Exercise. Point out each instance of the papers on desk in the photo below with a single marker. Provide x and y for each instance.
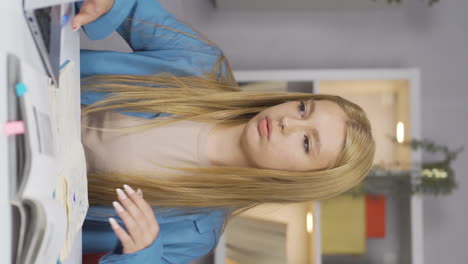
(46, 171)
(38, 221)
(72, 185)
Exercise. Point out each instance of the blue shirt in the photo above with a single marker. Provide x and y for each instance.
(155, 50)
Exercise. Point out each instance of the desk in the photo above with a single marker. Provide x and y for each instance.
(16, 39)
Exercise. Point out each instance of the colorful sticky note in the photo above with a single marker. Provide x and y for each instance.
(13, 128)
(20, 89)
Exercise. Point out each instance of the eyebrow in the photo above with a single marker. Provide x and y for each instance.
(314, 131)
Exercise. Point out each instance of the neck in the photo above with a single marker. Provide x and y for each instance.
(223, 147)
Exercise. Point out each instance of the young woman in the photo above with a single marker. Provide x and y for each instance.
(169, 120)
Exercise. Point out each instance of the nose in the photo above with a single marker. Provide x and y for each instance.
(290, 124)
(284, 122)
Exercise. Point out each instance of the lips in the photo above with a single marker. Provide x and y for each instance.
(270, 126)
(264, 127)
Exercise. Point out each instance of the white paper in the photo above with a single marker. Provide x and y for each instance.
(72, 184)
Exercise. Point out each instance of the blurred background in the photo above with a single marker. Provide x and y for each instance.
(353, 34)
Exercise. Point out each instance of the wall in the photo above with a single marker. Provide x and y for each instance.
(378, 99)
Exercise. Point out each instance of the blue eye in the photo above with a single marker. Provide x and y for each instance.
(302, 108)
(306, 144)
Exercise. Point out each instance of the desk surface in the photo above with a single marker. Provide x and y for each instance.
(17, 39)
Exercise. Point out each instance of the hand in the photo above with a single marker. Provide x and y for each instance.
(90, 11)
(139, 219)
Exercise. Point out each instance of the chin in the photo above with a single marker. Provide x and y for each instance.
(250, 142)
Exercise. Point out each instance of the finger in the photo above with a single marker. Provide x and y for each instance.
(124, 238)
(151, 226)
(88, 13)
(140, 193)
(130, 205)
(130, 222)
(143, 206)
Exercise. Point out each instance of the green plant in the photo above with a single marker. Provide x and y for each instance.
(430, 177)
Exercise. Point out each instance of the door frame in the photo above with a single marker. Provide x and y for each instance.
(315, 75)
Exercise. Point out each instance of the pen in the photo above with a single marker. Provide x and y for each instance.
(64, 20)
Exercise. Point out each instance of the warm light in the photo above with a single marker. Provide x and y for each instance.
(310, 222)
(400, 132)
(434, 173)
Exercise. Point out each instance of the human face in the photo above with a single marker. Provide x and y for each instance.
(300, 136)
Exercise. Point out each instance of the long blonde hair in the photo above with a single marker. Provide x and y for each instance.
(216, 98)
(225, 186)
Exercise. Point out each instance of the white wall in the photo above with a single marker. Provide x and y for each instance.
(433, 39)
